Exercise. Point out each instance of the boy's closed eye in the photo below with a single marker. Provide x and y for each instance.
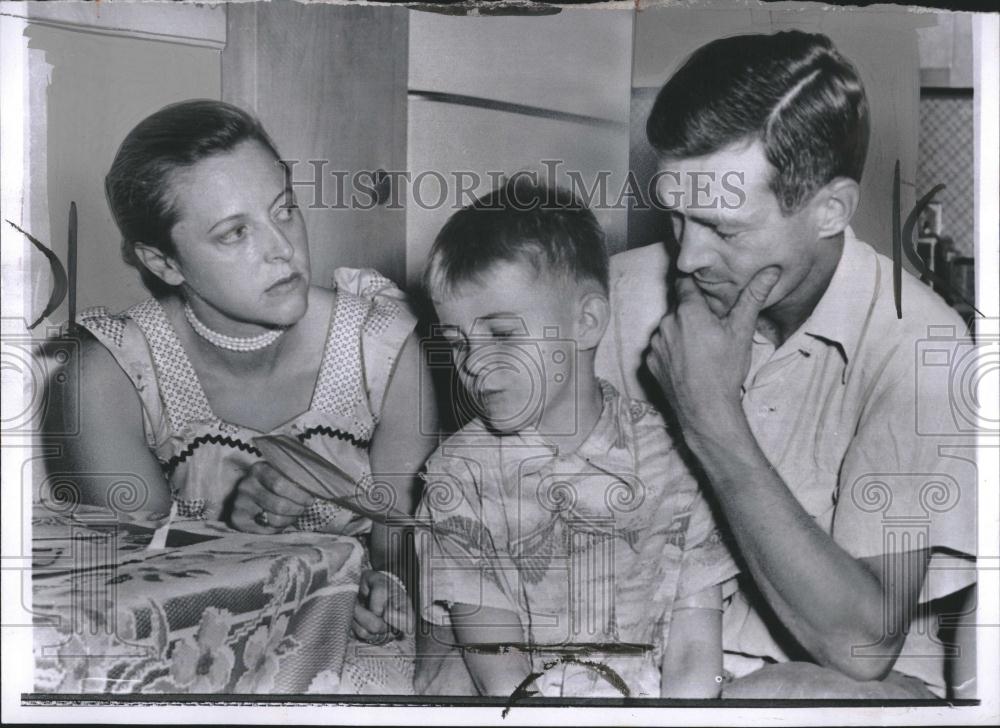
(500, 326)
(504, 333)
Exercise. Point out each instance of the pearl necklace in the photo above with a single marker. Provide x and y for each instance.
(230, 343)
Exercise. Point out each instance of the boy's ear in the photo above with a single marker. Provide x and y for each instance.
(593, 314)
(835, 206)
(159, 264)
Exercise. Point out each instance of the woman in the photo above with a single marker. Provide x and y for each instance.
(236, 343)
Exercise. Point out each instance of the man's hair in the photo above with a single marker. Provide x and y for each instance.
(175, 137)
(548, 228)
(792, 91)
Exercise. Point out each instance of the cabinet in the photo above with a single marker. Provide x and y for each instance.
(494, 96)
(329, 84)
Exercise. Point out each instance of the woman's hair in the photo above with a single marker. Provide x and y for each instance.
(792, 91)
(175, 137)
(546, 227)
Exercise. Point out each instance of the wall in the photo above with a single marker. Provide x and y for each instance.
(91, 77)
(366, 88)
(947, 122)
(329, 84)
(503, 94)
(945, 48)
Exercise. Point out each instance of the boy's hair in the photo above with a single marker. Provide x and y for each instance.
(176, 137)
(792, 91)
(548, 228)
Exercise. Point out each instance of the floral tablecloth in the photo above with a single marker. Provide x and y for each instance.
(214, 611)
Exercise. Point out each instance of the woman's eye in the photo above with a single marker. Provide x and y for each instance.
(236, 234)
(506, 334)
(285, 212)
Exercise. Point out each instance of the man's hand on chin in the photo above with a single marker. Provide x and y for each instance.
(701, 360)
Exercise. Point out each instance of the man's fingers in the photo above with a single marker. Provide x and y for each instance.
(759, 287)
(686, 291)
(752, 298)
(658, 353)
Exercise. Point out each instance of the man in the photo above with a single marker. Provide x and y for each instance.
(793, 383)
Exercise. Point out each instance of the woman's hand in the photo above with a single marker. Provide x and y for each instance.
(383, 610)
(266, 501)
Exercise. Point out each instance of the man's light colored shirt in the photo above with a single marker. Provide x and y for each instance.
(862, 414)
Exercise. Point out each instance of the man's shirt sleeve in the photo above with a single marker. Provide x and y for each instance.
(909, 478)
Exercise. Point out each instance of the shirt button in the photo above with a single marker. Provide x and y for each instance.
(763, 410)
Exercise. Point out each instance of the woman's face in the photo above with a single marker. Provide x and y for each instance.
(242, 250)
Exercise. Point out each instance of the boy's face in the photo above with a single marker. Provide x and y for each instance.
(512, 335)
(730, 226)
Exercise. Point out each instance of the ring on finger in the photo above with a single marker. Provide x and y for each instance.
(261, 518)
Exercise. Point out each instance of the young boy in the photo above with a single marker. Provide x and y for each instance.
(565, 539)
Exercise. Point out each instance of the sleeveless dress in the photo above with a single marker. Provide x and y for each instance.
(203, 457)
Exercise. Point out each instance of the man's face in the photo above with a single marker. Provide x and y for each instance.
(511, 335)
(730, 226)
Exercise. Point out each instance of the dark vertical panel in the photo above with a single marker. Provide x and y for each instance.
(647, 224)
(329, 84)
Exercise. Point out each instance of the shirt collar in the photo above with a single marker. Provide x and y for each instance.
(840, 315)
(608, 447)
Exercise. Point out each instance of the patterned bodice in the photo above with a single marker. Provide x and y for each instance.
(203, 456)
